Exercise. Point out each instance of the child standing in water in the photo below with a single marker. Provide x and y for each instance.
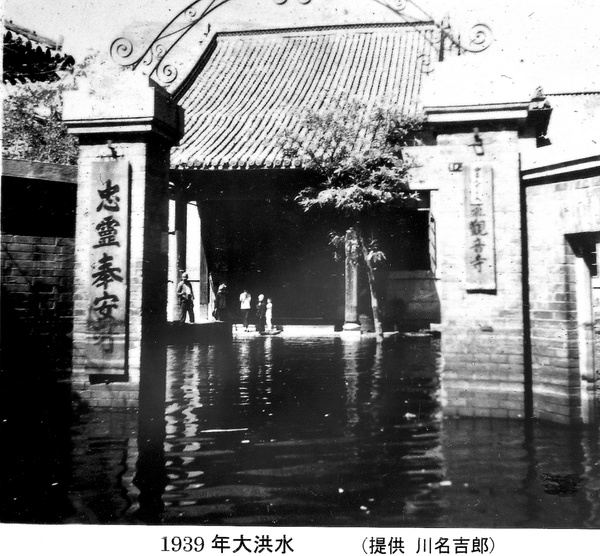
(269, 315)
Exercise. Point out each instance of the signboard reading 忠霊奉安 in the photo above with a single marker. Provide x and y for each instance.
(106, 347)
(480, 252)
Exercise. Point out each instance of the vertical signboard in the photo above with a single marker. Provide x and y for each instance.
(106, 350)
(481, 245)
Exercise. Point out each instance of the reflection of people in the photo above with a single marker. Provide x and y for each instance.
(261, 310)
(269, 315)
(245, 307)
(185, 295)
(221, 303)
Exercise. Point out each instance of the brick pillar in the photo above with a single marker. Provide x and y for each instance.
(126, 127)
(479, 218)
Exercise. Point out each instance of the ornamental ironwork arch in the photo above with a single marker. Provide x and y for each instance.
(151, 59)
(480, 34)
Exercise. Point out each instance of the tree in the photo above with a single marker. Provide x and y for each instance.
(32, 126)
(32, 123)
(357, 152)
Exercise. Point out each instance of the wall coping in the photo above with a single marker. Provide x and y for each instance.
(441, 116)
(556, 165)
(29, 169)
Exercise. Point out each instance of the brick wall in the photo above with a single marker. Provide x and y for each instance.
(554, 211)
(37, 299)
(482, 332)
(412, 300)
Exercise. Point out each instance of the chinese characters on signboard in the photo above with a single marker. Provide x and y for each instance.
(109, 242)
(481, 245)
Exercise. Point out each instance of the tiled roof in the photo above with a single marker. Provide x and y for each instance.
(251, 86)
(29, 57)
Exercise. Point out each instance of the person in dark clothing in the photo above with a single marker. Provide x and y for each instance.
(221, 303)
(261, 313)
(185, 294)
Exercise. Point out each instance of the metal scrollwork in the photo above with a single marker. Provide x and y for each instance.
(159, 51)
(148, 59)
(398, 5)
(191, 13)
(166, 73)
(426, 63)
(480, 37)
(152, 57)
(121, 51)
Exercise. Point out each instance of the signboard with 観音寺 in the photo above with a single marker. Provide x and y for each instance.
(480, 251)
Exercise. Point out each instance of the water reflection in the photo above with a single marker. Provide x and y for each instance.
(150, 477)
(318, 432)
(297, 432)
(499, 480)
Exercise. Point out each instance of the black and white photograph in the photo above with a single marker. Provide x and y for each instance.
(274, 267)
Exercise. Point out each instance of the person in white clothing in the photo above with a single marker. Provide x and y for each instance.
(245, 307)
(269, 315)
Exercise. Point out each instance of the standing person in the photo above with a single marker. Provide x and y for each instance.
(221, 303)
(185, 294)
(269, 314)
(245, 307)
(261, 310)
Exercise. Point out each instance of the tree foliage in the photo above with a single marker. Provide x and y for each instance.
(33, 127)
(32, 122)
(357, 151)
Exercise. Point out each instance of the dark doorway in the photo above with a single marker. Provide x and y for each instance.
(257, 237)
(272, 247)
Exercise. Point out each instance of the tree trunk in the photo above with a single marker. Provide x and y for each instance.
(377, 319)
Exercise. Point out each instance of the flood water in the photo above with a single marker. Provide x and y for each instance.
(307, 432)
